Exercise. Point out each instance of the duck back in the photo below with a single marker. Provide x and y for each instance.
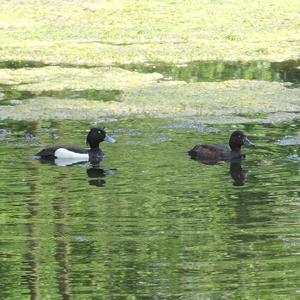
(210, 152)
(213, 153)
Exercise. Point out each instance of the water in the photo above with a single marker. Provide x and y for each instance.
(286, 71)
(149, 223)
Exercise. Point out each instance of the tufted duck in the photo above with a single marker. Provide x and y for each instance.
(211, 153)
(95, 154)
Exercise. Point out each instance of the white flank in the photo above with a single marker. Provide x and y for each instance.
(63, 162)
(64, 153)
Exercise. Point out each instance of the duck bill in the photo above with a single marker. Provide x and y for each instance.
(248, 143)
(109, 139)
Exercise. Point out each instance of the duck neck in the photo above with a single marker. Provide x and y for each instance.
(234, 147)
(94, 146)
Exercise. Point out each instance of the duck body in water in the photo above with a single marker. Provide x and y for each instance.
(65, 152)
(212, 153)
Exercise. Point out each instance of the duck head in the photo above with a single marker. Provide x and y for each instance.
(96, 136)
(239, 139)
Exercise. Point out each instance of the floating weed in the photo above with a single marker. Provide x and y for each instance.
(135, 31)
(212, 102)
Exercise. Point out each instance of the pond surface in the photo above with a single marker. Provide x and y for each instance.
(286, 71)
(149, 223)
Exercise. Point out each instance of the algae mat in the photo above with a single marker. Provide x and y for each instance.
(109, 32)
(97, 36)
(44, 94)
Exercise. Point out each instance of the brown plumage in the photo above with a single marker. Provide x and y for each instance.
(214, 153)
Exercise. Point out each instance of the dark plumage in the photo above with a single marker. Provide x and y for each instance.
(215, 153)
(94, 138)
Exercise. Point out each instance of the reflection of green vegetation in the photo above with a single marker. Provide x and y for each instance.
(109, 32)
(222, 70)
(162, 225)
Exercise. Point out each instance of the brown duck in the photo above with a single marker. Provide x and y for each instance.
(216, 153)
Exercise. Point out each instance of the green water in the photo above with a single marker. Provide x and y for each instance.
(149, 223)
(207, 71)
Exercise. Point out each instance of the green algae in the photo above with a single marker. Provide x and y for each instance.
(214, 102)
(109, 32)
(58, 78)
(60, 55)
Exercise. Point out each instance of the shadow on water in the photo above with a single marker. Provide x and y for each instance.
(286, 71)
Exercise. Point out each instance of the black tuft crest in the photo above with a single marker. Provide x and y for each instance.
(95, 136)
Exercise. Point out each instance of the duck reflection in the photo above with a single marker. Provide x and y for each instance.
(98, 174)
(238, 174)
(94, 172)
